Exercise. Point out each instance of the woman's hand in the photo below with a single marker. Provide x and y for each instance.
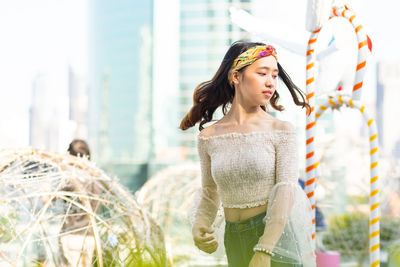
(260, 260)
(205, 243)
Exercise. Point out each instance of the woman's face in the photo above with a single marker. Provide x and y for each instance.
(257, 82)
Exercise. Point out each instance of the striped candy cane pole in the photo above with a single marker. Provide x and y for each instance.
(363, 45)
(374, 217)
(311, 160)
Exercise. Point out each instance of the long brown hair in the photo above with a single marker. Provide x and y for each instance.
(210, 95)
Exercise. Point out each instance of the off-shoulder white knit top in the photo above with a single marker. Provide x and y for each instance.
(239, 169)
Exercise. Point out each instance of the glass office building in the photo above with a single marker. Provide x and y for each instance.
(120, 116)
(206, 32)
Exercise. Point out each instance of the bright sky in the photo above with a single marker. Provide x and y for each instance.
(41, 36)
(45, 36)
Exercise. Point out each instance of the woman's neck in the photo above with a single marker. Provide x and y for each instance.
(240, 115)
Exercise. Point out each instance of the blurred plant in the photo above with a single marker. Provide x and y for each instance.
(394, 255)
(390, 231)
(358, 199)
(349, 235)
(7, 230)
(119, 250)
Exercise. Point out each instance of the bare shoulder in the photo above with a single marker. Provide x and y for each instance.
(208, 131)
(283, 125)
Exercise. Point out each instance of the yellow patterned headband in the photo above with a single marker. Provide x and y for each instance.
(249, 56)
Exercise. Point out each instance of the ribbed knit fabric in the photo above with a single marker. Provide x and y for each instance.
(239, 169)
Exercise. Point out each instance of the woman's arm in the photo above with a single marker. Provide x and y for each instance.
(282, 196)
(207, 207)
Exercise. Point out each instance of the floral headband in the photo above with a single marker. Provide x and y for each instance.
(249, 56)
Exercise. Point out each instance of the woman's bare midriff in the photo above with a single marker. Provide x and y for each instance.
(237, 215)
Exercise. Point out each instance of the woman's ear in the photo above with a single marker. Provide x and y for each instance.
(235, 77)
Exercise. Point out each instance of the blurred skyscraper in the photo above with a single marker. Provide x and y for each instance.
(38, 113)
(387, 97)
(190, 39)
(166, 136)
(48, 124)
(78, 104)
(206, 32)
(120, 115)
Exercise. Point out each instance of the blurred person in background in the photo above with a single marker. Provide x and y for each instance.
(249, 163)
(77, 241)
(79, 148)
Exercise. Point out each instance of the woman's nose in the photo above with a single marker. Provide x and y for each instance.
(269, 81)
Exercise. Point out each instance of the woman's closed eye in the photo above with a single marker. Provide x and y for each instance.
(263, 74)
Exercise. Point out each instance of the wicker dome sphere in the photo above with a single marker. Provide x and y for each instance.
(170, 197)
(62, 210)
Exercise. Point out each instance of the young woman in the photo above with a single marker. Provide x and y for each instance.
(249, 164)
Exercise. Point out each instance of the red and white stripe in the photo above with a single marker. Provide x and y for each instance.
(354, 102)
(363, 52)
(311, 159)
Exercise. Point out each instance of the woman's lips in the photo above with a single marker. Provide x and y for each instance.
(266, 93)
